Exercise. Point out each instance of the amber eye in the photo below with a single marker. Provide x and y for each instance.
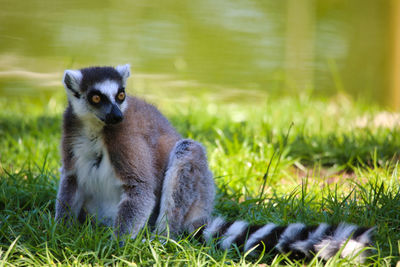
(121, 96)
(96, 99)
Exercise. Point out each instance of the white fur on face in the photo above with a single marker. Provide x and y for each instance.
(80, 107)
(108, 88)
(79, 104)
(125, 72)
(124, 105)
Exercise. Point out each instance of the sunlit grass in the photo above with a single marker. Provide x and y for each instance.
(325, 164)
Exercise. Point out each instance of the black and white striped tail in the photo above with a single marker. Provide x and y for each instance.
(300, 240)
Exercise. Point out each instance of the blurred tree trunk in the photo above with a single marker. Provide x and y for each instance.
(299, 55)
(395, 60)
(366, 68)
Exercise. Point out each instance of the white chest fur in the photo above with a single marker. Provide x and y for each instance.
(99, 190)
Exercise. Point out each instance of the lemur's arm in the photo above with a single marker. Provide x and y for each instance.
(132, 159)
(65, 196)
(67, 204)
(134, 209)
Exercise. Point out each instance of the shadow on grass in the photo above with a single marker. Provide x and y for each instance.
(20, 126)
(348, 150)
(357, 148)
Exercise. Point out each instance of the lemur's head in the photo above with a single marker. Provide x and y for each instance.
(98, 92)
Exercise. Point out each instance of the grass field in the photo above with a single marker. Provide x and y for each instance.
(283, 160)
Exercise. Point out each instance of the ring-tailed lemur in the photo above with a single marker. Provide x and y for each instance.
(124, 163)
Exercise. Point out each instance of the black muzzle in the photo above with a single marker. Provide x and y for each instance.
(114, 116)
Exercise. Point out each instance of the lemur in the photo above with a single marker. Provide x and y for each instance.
(124, 164)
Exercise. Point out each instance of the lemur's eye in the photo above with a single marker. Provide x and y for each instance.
(96, 99)
(121, 96)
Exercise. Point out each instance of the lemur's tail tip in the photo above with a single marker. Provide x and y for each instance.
(297, 239)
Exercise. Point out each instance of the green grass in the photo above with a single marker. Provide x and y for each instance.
(325, 165)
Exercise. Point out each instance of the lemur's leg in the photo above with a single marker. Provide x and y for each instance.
(188, 190)
(69, 201)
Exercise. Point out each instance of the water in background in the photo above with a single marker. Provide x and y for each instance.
(234, 50)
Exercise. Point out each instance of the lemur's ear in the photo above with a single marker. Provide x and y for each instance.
(71, 81)
(124, 71)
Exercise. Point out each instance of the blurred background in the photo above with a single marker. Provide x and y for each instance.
(241, 50)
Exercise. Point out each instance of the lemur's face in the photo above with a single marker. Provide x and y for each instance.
(98, 93)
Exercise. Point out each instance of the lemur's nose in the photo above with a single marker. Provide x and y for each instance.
(115, 115)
